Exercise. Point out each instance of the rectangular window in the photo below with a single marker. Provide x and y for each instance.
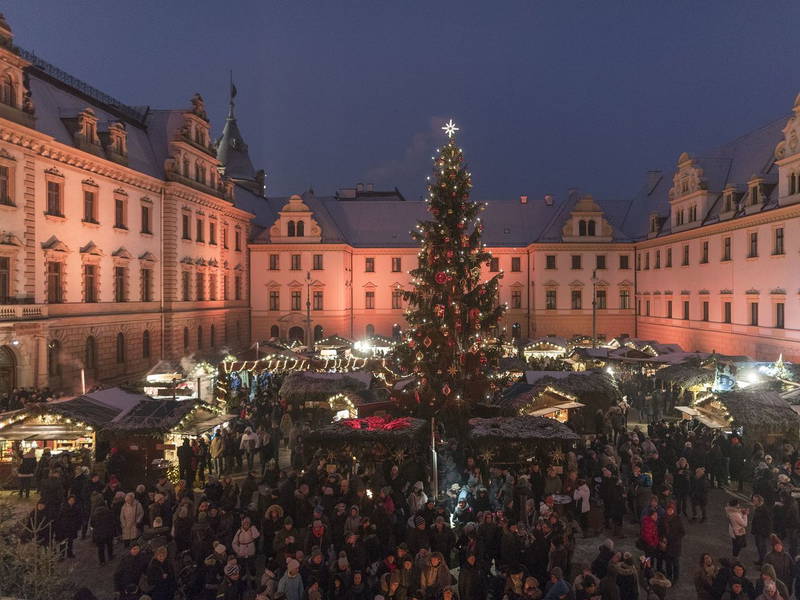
(317, 301)
(120, 280)
(624, 261)
(369, 299)
(295, 299)
(638, 261)
(5, 185)
(726, 248)
(576, 261)
(89, 207)
(647, 308)
(200, 286)
(225, 237)
(397, 299)
(55, 289)
(212, 233)
(120, 216)
(237, 240)
(778, 241)
(658, 259)
(704, 255)
(186, 286)
(550, 261)
(225, 289)
(647, 261)
(576, 299)
(212, 287)
(600, 298)
(515, 264)
(54, 199)
(754, 313)
(726, 312)
(685, 310)
(187, 227)
(624, 299)
(147, 222)
(600, 261)
(89, 283)
(147, 285)
(200, 231)
(550, 299)
(779, 315)
(317, 263)
(237, 287)
(753, 245)
(685, 261)
(516, 299)
(705, 310)
(669, 309)
(274, 262)
(5, 280)
(397, 264)
(369, 264)
(494, 265)
(295, 266)
(668, 261)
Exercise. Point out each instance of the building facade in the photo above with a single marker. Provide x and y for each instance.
(120, 243)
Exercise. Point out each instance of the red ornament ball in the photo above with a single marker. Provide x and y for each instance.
(441, 277)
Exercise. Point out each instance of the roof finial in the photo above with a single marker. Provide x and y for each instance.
(232, 95)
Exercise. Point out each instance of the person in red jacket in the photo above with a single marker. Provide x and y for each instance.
(648, 534)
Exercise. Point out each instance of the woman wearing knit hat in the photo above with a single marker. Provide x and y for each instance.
(291, 584)
(659, 584)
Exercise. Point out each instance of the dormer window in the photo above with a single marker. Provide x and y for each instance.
(118, 139)
(654, 224)
(685, 185)
(582, 227)
(301, 228)
(692, 214)
(755, 194)
(290, 231)
(729, 203)
(7, 91)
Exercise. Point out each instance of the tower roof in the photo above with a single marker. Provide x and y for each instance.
(232, 149)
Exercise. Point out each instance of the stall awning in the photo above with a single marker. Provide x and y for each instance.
(200, 426)
(551, 409)
(688, 410)
(44, 432)
(711, 423)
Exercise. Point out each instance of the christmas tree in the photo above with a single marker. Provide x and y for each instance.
(452, 313)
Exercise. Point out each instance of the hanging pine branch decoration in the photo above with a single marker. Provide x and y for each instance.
(452, 310)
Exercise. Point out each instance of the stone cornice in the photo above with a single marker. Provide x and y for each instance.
(48, 147)
(185, 193)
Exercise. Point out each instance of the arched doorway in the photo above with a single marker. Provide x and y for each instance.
(318, 331)
(296, 334)
(274, 332)
(8, 370)
(370, 330)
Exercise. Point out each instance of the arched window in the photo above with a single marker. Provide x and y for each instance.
(146, 344)
(301, 228)
(185, 338)
(90, 353)
(7, 91)
(274, 331)
(370, 330)
(318, 333)
(591, 228)
(296, 334)
(213, 336)
(54, 358)
(290, 229)
(199, 337)
(581, 227)
(120, 348)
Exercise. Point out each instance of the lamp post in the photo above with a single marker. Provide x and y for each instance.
(594, 308)
(309, 334)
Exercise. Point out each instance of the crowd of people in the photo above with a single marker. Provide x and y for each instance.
(312, 530)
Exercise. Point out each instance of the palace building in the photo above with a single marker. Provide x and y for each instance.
(128, 235)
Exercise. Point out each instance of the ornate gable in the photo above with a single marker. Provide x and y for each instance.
(688, 178)
(295, 223)
(587, 223)
(790, 144)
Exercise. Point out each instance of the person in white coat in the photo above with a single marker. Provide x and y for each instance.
(249, 445)
(244, 545)
(131, 517)
(582, 505)
(737, 525)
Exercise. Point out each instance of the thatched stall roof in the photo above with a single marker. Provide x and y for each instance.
(405, 432)
(686, 375)
(513, 364)
(522, 428)
(760, 410)
(591, 388)
(308, 387)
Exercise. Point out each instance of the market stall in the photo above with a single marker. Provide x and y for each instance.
(545, 347)
(690, 378)
(515, 440)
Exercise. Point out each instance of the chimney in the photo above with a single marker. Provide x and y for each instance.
(548, 200)
(370, 187)
(359, 187)
(523, 199)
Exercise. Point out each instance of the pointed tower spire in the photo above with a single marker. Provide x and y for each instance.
(231, 148)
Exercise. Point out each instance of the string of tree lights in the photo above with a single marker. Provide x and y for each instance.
(451, 311)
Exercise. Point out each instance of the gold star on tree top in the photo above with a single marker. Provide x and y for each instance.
(450, 128)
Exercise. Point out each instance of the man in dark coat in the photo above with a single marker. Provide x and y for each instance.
(698, 494)
(130, 569)
(471, 581)
(761, 526)
(103, 529)
(68, 524)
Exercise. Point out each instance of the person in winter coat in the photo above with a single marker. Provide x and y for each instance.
(781, 562)
(601, 561)
(435, 577)
(244, 545)
(761, 526)
(608, 588)
(442, 538)
(291, 584)
(130, 569)
(582, 505)
(249, 446)
(68, 524)
(471, 582)
(416, 499)
(649, 537)
(627, 577)
(557, 587)
(131, 517)
(25, 473)
(704, 578)
(161, 576)
(767, 576)
(698, 494)
(770, 592)
(736, 591)
(104, 528)
(216, 450)
(737, 525)
(672, 532)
